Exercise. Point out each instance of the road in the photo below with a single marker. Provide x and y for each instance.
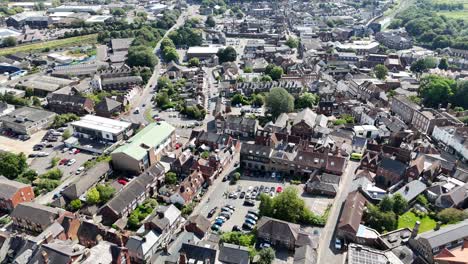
(326, 253)
(387, 18)
(146, 94)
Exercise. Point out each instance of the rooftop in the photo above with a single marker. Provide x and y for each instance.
(102, 124)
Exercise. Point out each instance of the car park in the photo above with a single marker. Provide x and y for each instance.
(225, 214)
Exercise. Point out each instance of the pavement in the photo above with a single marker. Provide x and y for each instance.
(326, 252)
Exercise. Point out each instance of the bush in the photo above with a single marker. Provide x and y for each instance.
(187, 209)
(170, 178)
(295, 182)
(75, 205)
(106, 192)
(235, 177)
(238, 238)
(451, 216)
(92, 197)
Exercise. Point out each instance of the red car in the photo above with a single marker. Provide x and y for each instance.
(122, 181)
(178, 145)
(63, 161)
(76, 151)
(279, 189)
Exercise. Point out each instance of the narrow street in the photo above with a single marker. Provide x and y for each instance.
(326, 252)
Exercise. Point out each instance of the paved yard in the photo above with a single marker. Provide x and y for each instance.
(17, 146)
(42, 164)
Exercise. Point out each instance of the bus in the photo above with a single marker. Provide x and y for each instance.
(356, 156)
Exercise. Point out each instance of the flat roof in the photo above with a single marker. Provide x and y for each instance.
(102, 124)
(5, 32)
(203, 50)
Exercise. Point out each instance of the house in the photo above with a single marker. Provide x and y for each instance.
(212, 140)
(370, 161)
(304, 123)
(389, 172)
(13, 193)
(366, 131)
(428, 244)
(426, 119)
(394, 39)
(351, 216)
(358, 145)
(404, 108)
(198, 224)
(108, 108)
(145, 148)
(183, 164)
(121, 83)
(101, 129)
(233, 254)
(282, 234)
(188, 189)
(191, 253)
(142, 248)
(133, 194)
(237, 126)
(324, 184)
(454, 256)
(34, 217)
(64, 103)
(453, 139)
(106, 253)
(305, 255)
(27, 120)
(411, 190)
(449, 194)
(90, 178)
(357, 253)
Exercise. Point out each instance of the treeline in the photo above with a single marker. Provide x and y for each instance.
(430, 29)
(447, 6)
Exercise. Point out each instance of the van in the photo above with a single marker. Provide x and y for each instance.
(356, 156)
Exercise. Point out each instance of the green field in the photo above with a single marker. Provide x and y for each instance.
(53, 44)
(408, 219)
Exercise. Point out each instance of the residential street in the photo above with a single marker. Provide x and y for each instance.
(326, 252)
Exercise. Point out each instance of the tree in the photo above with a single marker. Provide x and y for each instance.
(66, 134)
(451, 215)
(422, 200)
(279, 101)
(248, 69)
(266, 207)
(276, 73)
(75, 205)
(380, 71)
(437, 90)
(170, 178)
(141, 56)
(288, 205)
(118, 11)
(381, 221)
(210, 22)
(266, 78)
(235, 177)
(194, 62)
(106, 192)
(443, 64)
(63, 119)
(257, 100)
(170, 54)
(423, 64)
(54, 161)
(133, 221)
(12, 165)
(386, 204)
(399, 204)
(92, 197)
(9, 42)
(267, 255)
(167, 42)
(227, 54)
(306, 100)
(205, 154)
(239, 99)
(292, 42)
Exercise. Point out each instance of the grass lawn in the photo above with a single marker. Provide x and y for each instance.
(53, 44)
(408, 219)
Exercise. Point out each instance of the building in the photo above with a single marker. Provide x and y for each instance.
(34, 217)
(27, 120)
(90, 178)
(453, 139)
(92, 9)
(282, 234)
(101, 129)
(454, 256)
(236, 126)
(426, 119)
(132, 195)
(13, 193)
(389, 172)
(198, 224)
(350, 219)
(145, 148)
(324, 184)
(233, 254)
(358, 254)
(121, 83)
(202, 53)
(188, 189)
(108, 108)
(394, 40)
(64, 104)
(404, 108)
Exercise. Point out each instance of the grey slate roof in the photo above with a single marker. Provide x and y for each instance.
(90, 178)
(412, 189)
(8, 187)
(393, 166)
(305, 255)
(36, 213)
(446, 234)
(108, 104)
(233, 254)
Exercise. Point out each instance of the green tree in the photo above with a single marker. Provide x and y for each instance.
(268, 68)
(276, 73)
(239, 99)
(381, 71)
(443, 64)
(266, 78)
(288, 205)
(167, 42)
(106, 192)
(9, 42)
(266, 207)
(205, 154)
(170, 54)
(306, 100)
(258, 100)
(141, 56)
(279, 101)
(381, 221)
(210, 22)
(399, 204)
(292, 42)
(422, 200)
(451, 215)
(164, 83)
(12, 165)
(436, 90)
(133, 221)
(194, 62)
(75, 205)
(170, 178)
(235, 177)
(92, 196)
(386, 204)
(423, 64)
(248, 69)
(227, 54)
(54, 161)
(118, 11)
(266, 255)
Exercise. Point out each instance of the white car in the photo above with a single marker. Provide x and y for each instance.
(42, 154)
(79, 170)
(72, 151)
(71, 162)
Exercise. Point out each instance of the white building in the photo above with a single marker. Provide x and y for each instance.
(454, 139)
(366, 131)
(101, 129)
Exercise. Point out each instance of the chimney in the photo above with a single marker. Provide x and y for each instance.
(182, 258)
(415, 231)
(438, 224)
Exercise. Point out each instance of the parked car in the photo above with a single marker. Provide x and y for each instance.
(232, 207)
(338, 244)
(42, 154)
(227, 215)
(236, 229)
(226, 209)
(249, 202)
(215, 227)
(225, 178)
(272, 189)
(247, 226)
(38, 147)
(252, 216)
(63, 161)
(250, 221)
(72, 151)
(264, 245)
(71, 162)
(79, 170)
(279, 189)
(212, 212)
(222, 218)
(253, 211)
(76, 151)
(219, 222)
(122, 181)
(233, 195)
(242, 195)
